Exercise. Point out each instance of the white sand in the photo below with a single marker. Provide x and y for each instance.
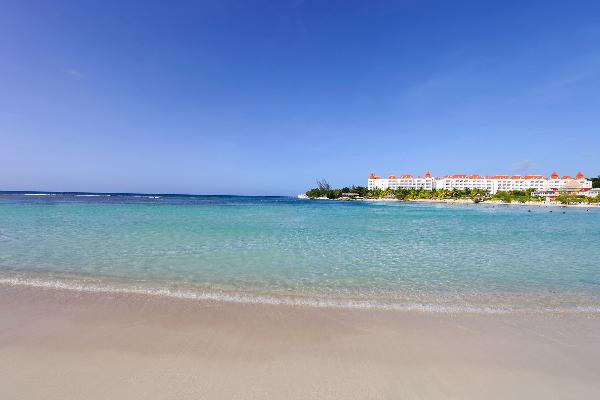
(67, 345)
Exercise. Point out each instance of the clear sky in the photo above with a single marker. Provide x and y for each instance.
(264, 97)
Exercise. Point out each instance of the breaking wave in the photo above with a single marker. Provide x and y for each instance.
(244, 298)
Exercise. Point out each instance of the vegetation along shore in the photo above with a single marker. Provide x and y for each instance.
(469, 196)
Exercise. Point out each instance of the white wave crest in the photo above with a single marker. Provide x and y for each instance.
(200, 295)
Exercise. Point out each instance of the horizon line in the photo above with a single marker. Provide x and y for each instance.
(134, 193)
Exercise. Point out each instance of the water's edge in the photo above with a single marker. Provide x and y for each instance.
(196, 294)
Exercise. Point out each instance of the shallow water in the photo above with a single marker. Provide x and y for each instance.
(284, 250)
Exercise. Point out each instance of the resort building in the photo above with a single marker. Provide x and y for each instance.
(572, 188)
(402, 182)
(492, 184)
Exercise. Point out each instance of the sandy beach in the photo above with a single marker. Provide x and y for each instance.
(553, 204)
(59, 344)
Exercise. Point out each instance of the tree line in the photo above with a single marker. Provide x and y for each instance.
(323, 189)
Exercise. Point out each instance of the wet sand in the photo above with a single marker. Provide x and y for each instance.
(59, 344)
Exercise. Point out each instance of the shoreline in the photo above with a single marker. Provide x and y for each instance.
(515, 203)
(465, 202)
(98, 345)
(518, 305)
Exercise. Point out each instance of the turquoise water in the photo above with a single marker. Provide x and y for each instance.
(284, 250)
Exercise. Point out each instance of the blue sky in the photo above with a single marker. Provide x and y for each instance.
(264, 97)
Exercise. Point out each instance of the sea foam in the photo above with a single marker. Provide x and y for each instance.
(202, 295)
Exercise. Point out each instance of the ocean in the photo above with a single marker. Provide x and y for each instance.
(410, 256)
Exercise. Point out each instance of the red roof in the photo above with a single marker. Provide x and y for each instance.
(464, 176)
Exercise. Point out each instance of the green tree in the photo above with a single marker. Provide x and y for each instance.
(315, 192)
(334, 193)
(360, 190)
(564, 199)
(503, 196)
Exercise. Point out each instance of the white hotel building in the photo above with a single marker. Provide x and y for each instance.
(492, 184)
